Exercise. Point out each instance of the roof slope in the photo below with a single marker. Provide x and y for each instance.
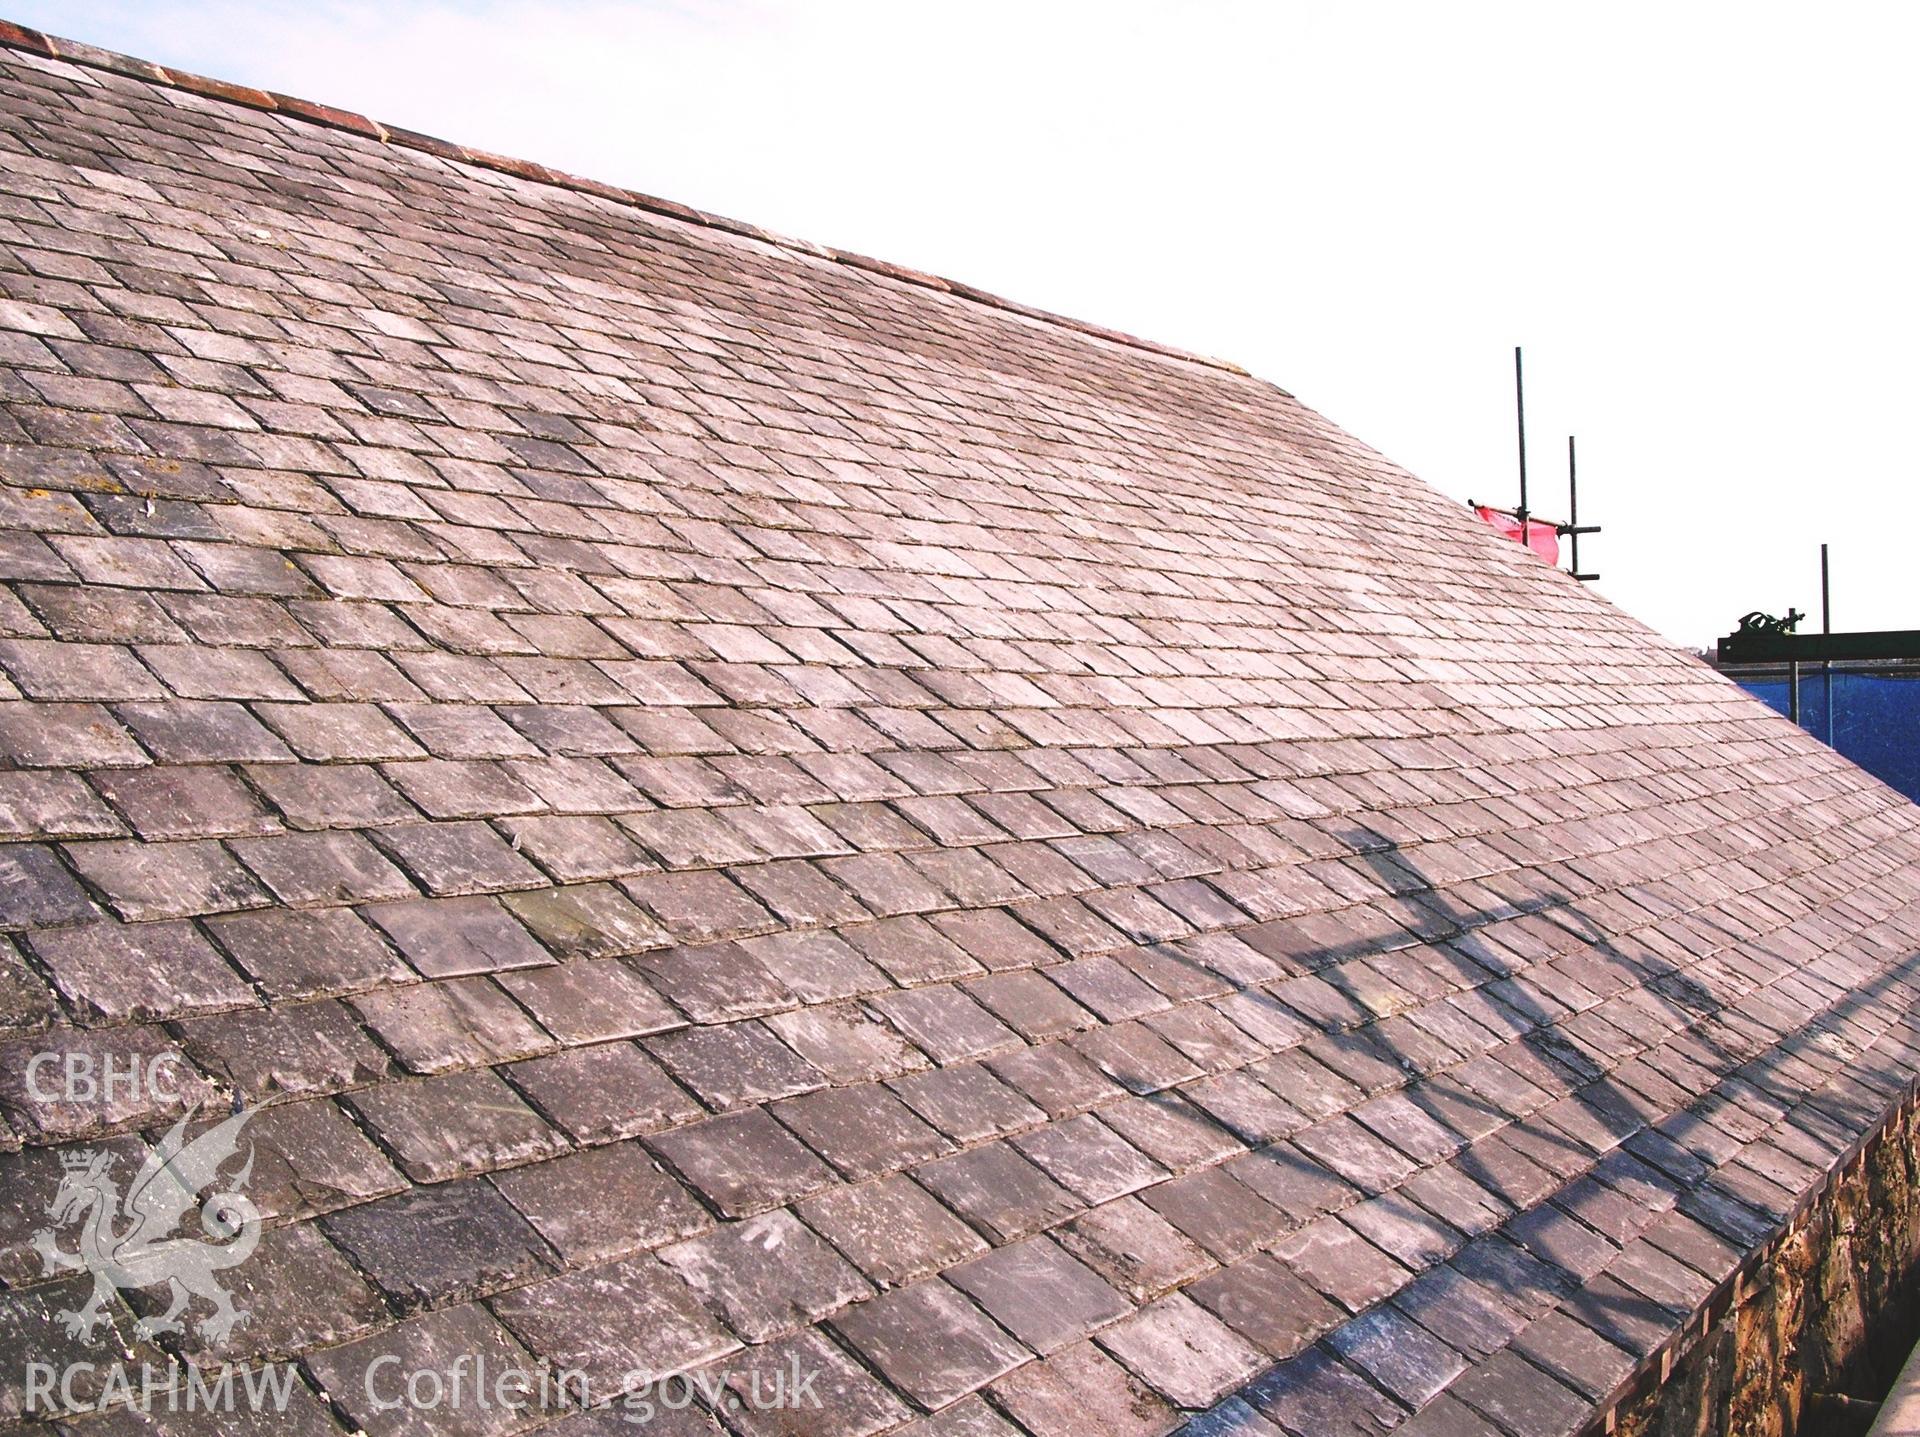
(739, 809)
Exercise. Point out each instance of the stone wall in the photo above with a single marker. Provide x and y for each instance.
(1827, 1311)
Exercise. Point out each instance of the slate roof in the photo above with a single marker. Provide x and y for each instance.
(728, 804)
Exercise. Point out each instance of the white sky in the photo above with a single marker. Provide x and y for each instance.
(1699, 219)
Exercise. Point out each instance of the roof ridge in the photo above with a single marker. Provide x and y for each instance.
(20, 37)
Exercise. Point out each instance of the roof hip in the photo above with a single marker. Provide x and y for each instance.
(76, 52)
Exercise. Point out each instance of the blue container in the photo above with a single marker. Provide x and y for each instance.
(1876, 720)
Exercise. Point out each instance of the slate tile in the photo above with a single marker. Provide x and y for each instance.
(1622, 1315)
(352, 1374)
(1342, 1264)
(892, 1230)
(851, 1403)
(1259, 1298)
(690, 837)
(30, 1331)
(1320, 1394)
(1526, 1283)
(576, 786)
(1171, 1131)
(457, 858)
(130, 973)
(317, 796)
(359, 626)
(569, 729)
(1398, 1354)
(337, 732)
(444, 1127)
(604, 1092)
(1135, 1249)
(297, 1291)
(1226, 1218)
(1445, 1417)
(590, 1001)
(1181, 1351)
(38, 1106)
(629, 1322)
(190, 801)
(1248, 1109)
(1081, 1389)
(1040, 1294)
(1106, 988)
(885, 884)
(699, 907)
(309, 1158)
(44, 735)
(306, 869)
(1685, 1239)
(53, 805)
(83, 614)
(864, 1130)
(1562, 1240)
(1520, 1397)
(1292, 1182)
(1576, 1355)
(930, 1342)
(966, 1103)
(743, 1163)
(589, 920)
(1354, 1154)
(1055, 1077)
(1135, 1057)
(766, 1276)
(32, 1176)
(734, 1064)
(994, 939)
(969, 1417)
(716, 982)
(1030, 1004)
(268, 1054)
(452, 937)
(145, 881)
(1089, 1159)
(462, 732)
(998, 1191)
(27, 1004)
(845, 1044)
(603, 1203)
(1449, 1194)
(455, 1023)
(1404, 1231)
(192, 731)
(946, 1024)
(969, 875)
(1647, 1270)
(439, 1245)
(241, 569)
(308, 955)
(36, 890)
(199, 671)
(61, 672)
(1231, 1418)
(799, 893)
(1468, 1316)
(449, 789)
(577, 848)
(346, 577)
(639, 1408)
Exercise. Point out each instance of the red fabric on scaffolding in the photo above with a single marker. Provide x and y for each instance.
(1543, 539)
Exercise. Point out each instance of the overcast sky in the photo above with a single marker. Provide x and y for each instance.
(1699, 219)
